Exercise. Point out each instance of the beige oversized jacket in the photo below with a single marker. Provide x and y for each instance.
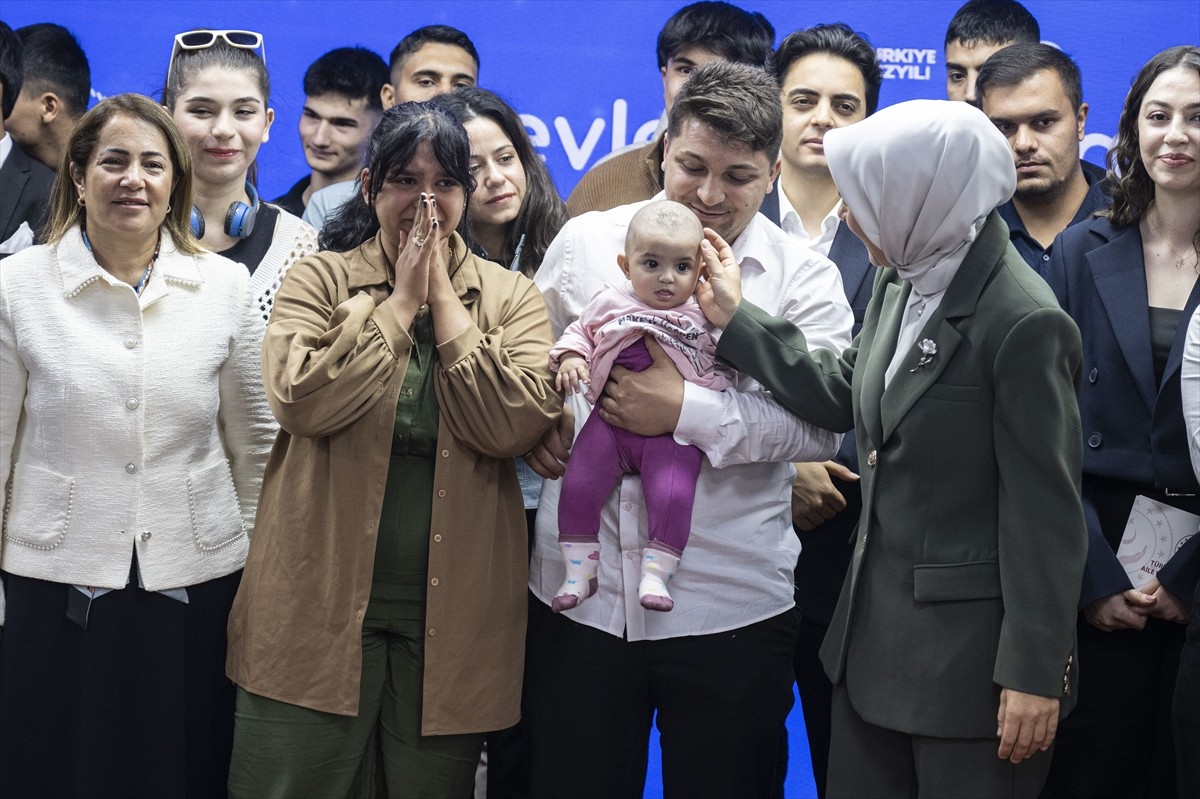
(333, 363)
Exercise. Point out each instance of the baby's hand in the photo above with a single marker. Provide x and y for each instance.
(572, 374)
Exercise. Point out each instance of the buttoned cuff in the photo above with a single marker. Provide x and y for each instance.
(700, 407)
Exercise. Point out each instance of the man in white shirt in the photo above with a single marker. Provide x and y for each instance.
(717, 669)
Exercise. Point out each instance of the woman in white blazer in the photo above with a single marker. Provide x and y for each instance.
(133, 436)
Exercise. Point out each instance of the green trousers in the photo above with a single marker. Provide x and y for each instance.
(282, 750)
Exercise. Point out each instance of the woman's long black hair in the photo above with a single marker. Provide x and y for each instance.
(401, 130)
(542, 212)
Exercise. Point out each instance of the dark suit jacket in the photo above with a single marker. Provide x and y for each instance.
(971, 545)
(24, 193)
(825, 550)
(1133, 425)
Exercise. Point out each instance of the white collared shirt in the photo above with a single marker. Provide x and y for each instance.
(789, 220)
(1190, 380)
(23, 236)
(738, 565)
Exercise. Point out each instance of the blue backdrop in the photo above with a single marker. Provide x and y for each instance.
(584, 74)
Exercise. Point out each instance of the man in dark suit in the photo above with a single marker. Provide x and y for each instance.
(24, 183)
(955, 625)
(828, 78)
(54, 94)
(1034, 94)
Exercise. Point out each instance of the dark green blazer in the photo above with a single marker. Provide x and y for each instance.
(971, 544)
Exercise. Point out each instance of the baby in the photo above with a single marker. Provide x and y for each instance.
(662, 262)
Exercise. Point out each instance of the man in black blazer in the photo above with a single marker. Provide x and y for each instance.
(24, 183)
(828, 77)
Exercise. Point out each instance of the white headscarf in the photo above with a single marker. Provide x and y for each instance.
(920, 178)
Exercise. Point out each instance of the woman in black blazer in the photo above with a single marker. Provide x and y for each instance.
(1129, 279)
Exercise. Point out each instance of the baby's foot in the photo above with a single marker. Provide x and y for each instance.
(581, 560)
(657, 568)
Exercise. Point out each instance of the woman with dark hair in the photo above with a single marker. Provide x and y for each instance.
(134, 430)
(1129, 279)
(218, 92)
(515, 211)
(382, 616)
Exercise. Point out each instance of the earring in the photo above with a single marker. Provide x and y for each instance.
(168, 208)
(82, 204)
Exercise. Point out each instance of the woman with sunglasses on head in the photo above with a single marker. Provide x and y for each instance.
(218, 93)
(133, 436)
(1130, 278)
(382, 616)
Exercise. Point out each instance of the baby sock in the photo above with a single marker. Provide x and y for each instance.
(582, 558)
(657, 568)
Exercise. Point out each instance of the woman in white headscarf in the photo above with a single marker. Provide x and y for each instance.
(951, 650)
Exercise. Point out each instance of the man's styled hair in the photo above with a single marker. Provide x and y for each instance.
(1010, 66)
(54, 62)
(837, 40)
(734, 34)
(993, 22)
(437, 34)
(355, 73)
(12, 67)
(739, 102)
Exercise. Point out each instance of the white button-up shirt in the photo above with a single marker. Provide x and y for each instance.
(1190, 380)
(789, 220)
(737, 568)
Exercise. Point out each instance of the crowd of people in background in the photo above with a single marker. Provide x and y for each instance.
(288, 508)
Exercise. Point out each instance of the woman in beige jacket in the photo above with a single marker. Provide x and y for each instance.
(382, 612)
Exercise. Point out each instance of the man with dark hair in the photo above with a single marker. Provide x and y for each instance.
(341, 108)
(695, 35)
(58, 84)
(978, 29)
(829, 78)
(718, 668)
(24, 183)
(1034, 95)
(428, 62)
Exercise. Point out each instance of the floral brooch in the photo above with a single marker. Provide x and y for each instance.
(928, 351)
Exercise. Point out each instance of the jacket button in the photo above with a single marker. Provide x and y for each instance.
(872, 458)
(445, 453)
(146, 536)
(130, 343)
(1094, 440)
(432, 632)
(441, 492)
(434, 582)
(131, 404)
(1092, 375)
(130, 468)
(437, 538)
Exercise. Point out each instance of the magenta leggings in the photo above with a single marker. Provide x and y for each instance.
(602, 454)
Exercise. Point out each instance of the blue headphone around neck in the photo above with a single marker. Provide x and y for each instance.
(239, 219)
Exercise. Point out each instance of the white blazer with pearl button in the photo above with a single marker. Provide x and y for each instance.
(128, 422)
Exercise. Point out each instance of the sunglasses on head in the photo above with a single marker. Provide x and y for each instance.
(203, 39)
(200, 39)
